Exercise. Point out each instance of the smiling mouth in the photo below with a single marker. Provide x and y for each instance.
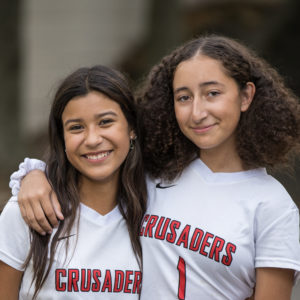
(97, 156)
(203, 129)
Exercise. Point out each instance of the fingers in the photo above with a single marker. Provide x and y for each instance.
(24, 215)
(33, 219)
(33, 212)
(56, 206)
(39, 213)
(38, 203)
(47, 215)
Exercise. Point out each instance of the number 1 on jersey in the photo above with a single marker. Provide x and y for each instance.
(182, 278)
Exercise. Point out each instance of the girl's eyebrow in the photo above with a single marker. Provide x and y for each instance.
(206, 83)
(184, 88)
(97, 116)
(203, 84)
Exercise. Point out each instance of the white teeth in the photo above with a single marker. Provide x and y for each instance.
(98, 156)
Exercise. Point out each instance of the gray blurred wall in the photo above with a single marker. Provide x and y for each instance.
(60, 36)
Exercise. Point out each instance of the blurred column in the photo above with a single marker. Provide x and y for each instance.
(9, 84)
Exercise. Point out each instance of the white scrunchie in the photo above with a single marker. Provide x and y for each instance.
(25, 167)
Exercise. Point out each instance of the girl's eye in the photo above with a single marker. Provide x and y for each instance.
(183, 98)
(213, 93)
(106, 122)
(75, 127)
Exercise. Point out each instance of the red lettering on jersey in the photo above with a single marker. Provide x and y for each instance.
(196, 239)
(184, 236)
(119, 281)
(73, 278)
(205, 243)
(227, 260)
(128, 281)
(137, 282)
(216, 248)
(85, 280)
(149, 227)
(181, 267)
(107, 282)
(60, 286)
(96, 285)
(145, 219)
(171, 237)
(158, 235)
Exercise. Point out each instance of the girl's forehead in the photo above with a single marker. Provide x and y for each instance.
(199, 68)
(92, 104)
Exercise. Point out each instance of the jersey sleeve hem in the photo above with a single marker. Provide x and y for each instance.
(11, 261)
(281, 264)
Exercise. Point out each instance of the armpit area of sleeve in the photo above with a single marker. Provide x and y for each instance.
(266, 262)
(11, 261)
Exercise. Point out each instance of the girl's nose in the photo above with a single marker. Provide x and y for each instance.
(199, 110)
(93, 137)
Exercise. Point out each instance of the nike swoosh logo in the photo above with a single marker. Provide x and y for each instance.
(158, 186)
(65, 237)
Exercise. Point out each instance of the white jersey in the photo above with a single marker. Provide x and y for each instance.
(204, 234)
(101, 266)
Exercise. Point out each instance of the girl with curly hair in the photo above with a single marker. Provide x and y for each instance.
(213, 116)
(95, 168)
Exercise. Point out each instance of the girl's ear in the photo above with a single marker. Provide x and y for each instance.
(132, 135)
(247, 95)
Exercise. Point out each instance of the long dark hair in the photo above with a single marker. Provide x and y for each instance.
(64, 177)
(266, 133)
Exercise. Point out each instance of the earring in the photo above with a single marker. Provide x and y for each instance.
(131, 141)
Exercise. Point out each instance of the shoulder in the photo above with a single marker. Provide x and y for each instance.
(11, 218)
(11, 210)
(271, 193)
(276, 228)
(276, 213)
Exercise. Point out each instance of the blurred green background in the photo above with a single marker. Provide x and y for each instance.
(42, 41)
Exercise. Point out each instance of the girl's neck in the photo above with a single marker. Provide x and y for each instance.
(100, 196)
(222, 161)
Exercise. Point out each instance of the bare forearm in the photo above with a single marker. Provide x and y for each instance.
(10, 281)
(273, 284)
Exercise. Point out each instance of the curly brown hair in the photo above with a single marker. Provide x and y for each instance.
(267, 131)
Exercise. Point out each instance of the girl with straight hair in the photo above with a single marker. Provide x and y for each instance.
(95, 168)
